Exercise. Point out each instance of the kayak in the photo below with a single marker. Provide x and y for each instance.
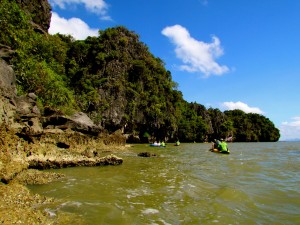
(155, 145)
(215, 150)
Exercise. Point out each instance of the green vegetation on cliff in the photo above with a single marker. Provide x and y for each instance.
(117, 82)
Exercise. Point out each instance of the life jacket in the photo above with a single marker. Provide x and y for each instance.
(223, 147)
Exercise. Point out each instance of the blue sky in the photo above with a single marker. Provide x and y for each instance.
(237, 54)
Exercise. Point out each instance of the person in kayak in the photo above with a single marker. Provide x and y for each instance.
(219, 146)
(215, 144)
(222, 147)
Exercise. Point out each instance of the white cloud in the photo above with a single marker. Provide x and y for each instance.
(74, 26)
(290, 130)
(197, 56)
(241, 106)
(98, 7)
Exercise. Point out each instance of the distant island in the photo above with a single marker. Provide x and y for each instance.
(292, 139)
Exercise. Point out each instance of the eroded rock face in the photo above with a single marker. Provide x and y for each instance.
(7, 79)
(78, 122)
(17, 111)
(7, 93)
(23, 114)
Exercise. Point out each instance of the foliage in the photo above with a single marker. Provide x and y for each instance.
(252, 127)
(117, 81)
(38, 60)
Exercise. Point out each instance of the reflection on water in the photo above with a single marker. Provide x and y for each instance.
(258, 183)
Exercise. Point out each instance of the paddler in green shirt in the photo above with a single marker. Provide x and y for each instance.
(223, 146)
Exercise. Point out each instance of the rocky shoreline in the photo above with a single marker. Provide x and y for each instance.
(31, 141)
(21, 164)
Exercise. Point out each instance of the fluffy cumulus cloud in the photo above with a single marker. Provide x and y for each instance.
(74, 27)
(241, 106)
(290, 130)
(197, 56)
(95, 6)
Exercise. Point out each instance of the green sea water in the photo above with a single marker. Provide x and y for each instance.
(258, 183)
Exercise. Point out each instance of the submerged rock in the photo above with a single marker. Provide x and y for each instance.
(146, 154)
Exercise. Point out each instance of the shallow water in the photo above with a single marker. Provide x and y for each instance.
(258, 183)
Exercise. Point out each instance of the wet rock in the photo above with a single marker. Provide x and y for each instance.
(10, 169)
(43, 162)
(146, 154)
(17, 206)
(109, 160)
(32, 176)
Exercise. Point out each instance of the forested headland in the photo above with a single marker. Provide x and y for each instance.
(115, 80)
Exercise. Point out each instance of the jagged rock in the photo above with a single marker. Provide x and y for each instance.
(18, 111)
(36, 110)
(82, 118)
(78, 122)
(7, 80)
(32, 96)
(24, 106)
(109, 160)
(28, 116)
(7, 93)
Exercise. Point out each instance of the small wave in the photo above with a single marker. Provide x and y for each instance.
(191, 185)
(164, 222)
(150, 211)
(171, 187)
(50, 212)
(136, 203)
(78, 204)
